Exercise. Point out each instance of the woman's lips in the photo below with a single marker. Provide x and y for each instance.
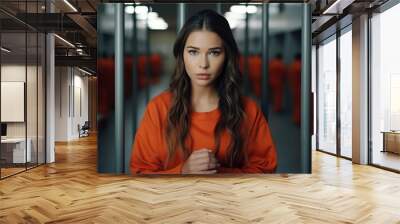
(203, 76)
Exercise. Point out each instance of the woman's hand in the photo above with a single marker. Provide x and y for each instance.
(201, 161)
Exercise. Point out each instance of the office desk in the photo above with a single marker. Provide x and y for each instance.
(15, 148)
(391, 141)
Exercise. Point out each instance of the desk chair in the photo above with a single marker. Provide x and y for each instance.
(84, 130)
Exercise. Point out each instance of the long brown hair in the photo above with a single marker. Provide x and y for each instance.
(227, 85)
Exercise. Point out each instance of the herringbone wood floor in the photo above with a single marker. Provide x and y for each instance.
(71, 191)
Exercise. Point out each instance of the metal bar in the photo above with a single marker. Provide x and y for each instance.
(386, 6)
(37, 90)
(219, 8)
(265, 61)
(134, 103)
(246, 54)
(316, 95)
(181, 16)
(0, 93)
(385, 168)
(10, 175)
(333, 154)
(119, 87)
(18, 20)
(73, 91)
(91, 5)
(369, 100)
(305, 89)
(26, 88)
(338, 99)
(45, 89)
(147, 61)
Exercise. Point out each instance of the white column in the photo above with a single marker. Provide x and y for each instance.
(50, 94)
(62, 103)
(360, 90)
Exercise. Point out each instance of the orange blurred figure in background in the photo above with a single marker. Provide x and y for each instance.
(254, 72)
(295, 87)
(277, 81)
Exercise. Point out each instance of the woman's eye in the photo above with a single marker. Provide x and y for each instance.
(215, 53)
(192, 52)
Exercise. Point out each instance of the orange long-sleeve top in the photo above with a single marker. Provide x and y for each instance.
(149, 151)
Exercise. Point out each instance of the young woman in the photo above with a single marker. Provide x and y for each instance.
(202, 124)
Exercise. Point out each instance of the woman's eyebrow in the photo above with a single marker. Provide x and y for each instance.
(216, 48)
(213, 48)
(193, 47)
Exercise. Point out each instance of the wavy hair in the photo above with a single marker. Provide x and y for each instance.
(227, 85)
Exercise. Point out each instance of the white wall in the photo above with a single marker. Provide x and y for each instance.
(80, 83)
(13, 101)
(71, 93)
(61, 103)
(16, 73)
(13, 72)
(33, 127)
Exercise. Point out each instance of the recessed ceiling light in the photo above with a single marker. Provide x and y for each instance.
(70, 5)
(84, 71)
(65, 41)
(5, 50)
(130, 9)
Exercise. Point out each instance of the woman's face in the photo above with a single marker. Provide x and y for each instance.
(204, 57)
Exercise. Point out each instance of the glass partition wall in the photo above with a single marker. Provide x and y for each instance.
(327, 96)
(334, 94)
(334, 136)
(22, 91)
(385, 90)
(345, 92)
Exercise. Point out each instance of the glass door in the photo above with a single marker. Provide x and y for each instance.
(346, 93)
(326, 96)
(385, 89)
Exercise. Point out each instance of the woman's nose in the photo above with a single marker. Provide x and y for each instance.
(204, 62)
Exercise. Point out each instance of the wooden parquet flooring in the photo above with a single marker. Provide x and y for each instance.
(71, 191)
(10, 171)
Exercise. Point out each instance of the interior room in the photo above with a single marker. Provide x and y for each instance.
(79, 79)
